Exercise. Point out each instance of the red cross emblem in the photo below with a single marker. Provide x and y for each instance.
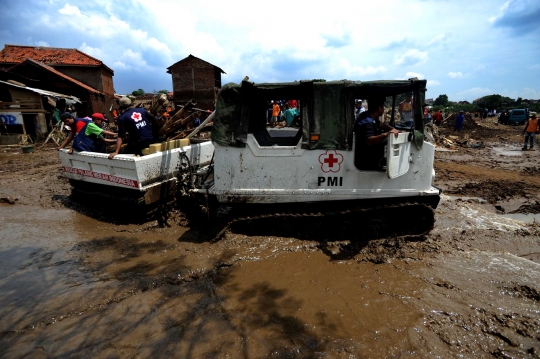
(331, 161)
(136, 116)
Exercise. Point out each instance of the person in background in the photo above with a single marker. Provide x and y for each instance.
(289, 115)
(459, 121)
(269, 111)
(530, 130)
(137, 122)
(74, 125)
(359, 107)
(427, 113)
(437, 117)
(275, 113)
(406, 112)
(90, 137)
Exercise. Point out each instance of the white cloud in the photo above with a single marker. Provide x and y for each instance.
(241, 42)
(455, 75)
(43, 43)
(411, 57)
(526, 93)
(437, 40)
(70, 10)
(410, 75)
(92, 51)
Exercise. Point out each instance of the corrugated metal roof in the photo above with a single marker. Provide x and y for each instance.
(44, 92)
(14, 54)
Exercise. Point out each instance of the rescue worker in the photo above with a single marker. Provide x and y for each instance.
(90, 137)
(74, 125)
(531, 129)
(137, 122)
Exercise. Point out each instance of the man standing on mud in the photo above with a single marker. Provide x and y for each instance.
(137, 122)
(531, 128)
(459, 121)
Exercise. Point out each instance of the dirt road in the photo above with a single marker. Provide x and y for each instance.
(75, 284)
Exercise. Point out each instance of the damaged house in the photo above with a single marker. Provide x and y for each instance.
(58, 70)
(195, 79)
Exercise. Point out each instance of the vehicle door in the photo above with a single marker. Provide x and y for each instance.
(398, 155)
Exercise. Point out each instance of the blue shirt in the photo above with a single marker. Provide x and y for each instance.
(136, 122)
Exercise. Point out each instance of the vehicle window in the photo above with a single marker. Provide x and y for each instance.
(283, 123)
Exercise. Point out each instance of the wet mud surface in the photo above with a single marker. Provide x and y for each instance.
(75, 283)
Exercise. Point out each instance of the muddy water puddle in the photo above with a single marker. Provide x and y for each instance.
(305, 303)
(508, 151)
(73, 286)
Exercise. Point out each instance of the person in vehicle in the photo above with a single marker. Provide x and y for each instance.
(137, 122)
(90, 137)
(371, 136)
(531, 129)
(74, 125)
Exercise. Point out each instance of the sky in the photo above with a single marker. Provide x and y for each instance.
(465, 49)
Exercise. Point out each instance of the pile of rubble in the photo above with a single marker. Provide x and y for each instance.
(172, 123)
(440, 137)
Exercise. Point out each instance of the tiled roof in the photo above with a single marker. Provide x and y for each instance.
(58, 73)
(14, 54)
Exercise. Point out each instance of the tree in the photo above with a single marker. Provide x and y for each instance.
(493, 102)
(163, 91)
(442, 100)
(138, 92)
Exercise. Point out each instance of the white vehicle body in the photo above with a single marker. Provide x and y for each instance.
(314, 176)
(138, 173)
(315, 160)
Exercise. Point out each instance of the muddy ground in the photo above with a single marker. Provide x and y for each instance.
(77, 284)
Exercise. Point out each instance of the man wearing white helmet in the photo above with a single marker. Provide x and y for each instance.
(136, 122)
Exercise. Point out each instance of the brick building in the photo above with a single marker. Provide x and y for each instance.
(91, 78)
(195, 79)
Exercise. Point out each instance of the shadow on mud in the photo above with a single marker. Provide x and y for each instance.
(114, 212)
(161, 305)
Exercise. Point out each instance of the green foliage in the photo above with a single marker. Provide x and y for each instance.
(442, 100)
(138, 92)
(163, 91)
(494, 102)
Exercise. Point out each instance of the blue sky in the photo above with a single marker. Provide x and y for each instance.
(465, 49)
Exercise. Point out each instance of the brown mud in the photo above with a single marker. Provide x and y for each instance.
(75, 283)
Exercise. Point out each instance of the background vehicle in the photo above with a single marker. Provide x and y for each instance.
(517, 116)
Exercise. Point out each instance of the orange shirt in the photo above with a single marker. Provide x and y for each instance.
(275, 110)
(532, 125)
